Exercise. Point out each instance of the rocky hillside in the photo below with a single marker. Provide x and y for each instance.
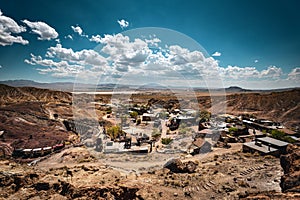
(10, 94)
(27, 125)
(278, 106)
(26, 121)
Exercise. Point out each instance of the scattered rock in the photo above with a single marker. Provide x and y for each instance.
(187, 194)
(228, 188)
(42, 186)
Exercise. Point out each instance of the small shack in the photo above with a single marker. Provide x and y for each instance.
(113, 147)
(148, 117)
(199, 145)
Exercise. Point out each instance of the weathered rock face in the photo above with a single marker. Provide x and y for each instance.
(13, 183)
(290, 181)
(177, 166)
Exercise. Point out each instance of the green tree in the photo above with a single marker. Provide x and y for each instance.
(233, 130)
(204, 116)
(114, 131)
(166, 141)
(134, 114)
(281, 136)
(277, 134)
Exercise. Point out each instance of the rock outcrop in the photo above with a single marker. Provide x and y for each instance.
(13, 184)
(290, 181)
(177, 166)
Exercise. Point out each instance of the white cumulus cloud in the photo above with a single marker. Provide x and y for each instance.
(216, 54)
(77, 29)
(83, 57)
(69, 37)
(244, 73)
(57, 69)
(95, 38)
(42, 29)
(123, 23)
(235, 72)
(271, 72)
(294, 74)
(65, 62)
(8, 29)
(153, 41)
(122, 52)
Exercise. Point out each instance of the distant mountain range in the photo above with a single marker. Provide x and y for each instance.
(70, 86)
(63, 86)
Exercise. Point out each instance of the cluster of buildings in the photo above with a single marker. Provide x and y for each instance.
(255, 135)
(137, 137)
(252, 132)
(128, 143)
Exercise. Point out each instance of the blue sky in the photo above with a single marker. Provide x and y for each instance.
(252, 44)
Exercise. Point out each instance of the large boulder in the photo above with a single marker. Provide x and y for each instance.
(177, 166)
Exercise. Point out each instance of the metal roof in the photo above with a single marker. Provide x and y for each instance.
(184, 117)
(263, 148)
(273, 141)
(247, 121)
(27, 150)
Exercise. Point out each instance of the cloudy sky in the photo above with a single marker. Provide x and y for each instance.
(251, 44)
